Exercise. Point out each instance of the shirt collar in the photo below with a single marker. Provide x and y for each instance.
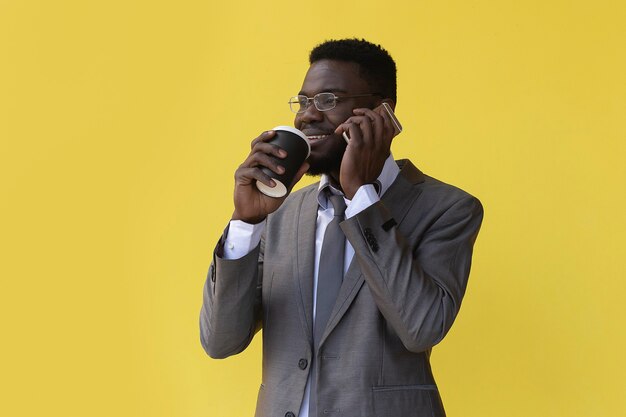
(387, 176)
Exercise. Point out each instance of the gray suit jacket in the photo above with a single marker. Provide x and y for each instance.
(398, 299)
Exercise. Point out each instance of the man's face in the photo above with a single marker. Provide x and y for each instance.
(342, 79)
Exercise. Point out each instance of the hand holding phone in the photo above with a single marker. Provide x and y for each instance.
(369, 134)
(397, 127)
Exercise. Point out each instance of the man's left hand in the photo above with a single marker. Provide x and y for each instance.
(371, 133)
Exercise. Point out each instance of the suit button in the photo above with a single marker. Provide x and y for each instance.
(303, 363)
(289, 414)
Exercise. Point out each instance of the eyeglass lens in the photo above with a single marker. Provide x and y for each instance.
(322, 101)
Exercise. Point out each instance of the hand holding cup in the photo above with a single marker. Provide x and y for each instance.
(275, 163)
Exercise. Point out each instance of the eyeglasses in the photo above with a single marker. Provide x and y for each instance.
(322, 101)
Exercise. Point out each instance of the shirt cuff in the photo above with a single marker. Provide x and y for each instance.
(242, 238)
(364, 197)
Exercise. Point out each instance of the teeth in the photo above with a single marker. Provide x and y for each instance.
(317, 137)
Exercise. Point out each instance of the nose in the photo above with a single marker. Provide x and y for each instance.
(311, 114)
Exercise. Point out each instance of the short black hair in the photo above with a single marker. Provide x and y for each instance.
(375, 63)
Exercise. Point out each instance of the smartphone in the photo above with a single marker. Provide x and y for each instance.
(397, 127)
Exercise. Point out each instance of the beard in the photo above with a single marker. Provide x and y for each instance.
(324, 165)
(327, 159)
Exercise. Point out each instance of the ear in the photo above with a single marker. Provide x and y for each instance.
(388, 101)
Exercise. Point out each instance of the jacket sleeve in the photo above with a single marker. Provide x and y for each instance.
(418, 286)
(231, 305)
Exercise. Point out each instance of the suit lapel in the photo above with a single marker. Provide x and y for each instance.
(398, 199)
(304, 255)
(352, 282)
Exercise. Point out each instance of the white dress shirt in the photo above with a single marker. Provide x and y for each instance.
(243, 237)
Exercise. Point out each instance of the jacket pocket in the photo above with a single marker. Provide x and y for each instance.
(407, 400)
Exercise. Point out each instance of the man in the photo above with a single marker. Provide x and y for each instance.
(353, 342)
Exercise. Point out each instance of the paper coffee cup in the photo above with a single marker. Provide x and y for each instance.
(298, 148)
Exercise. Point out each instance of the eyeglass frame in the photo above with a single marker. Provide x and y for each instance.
(313, 99)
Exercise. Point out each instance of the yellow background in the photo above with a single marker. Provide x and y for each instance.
(121, 123)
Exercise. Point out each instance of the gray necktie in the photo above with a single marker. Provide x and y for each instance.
(329, 279)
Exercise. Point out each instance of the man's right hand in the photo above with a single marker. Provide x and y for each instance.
(251, 205)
